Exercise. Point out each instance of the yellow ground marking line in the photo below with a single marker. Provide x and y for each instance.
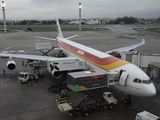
(132, 107)
(8, 48)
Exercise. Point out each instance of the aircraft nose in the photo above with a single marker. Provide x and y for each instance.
(150, 90)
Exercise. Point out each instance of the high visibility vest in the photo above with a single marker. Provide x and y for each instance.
(65, 90)
(57, 96)
(62, 92)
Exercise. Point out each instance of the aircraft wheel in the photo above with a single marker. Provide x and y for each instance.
(105, 107)
(111, 106)
(127, 101)
(85, 112)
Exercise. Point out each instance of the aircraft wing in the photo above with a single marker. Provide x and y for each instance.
(128, 48)
(33, 57)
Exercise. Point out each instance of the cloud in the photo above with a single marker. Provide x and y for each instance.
(49, 9)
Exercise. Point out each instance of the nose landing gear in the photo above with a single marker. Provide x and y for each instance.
(128, 100)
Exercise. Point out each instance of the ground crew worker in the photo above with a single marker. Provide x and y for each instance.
(116, 77)
(36, 78)
(4, 72)
(23, 63)
(62, 93)
(27, 61)
(57, 97)
(65, 92)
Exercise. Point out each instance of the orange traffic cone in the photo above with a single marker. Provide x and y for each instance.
(7, 81)
(43, 84)
(35, 85)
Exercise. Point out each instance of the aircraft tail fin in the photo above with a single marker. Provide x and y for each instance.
(59, 29)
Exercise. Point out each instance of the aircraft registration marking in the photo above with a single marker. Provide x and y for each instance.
(80, 52)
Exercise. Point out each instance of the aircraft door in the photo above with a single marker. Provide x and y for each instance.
(123, 78)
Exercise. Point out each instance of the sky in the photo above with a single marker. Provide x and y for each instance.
(50, 9)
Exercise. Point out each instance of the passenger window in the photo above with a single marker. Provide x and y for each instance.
(135, 80)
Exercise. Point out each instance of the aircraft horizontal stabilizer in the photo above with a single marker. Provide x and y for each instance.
(71, 37)
(45, 38)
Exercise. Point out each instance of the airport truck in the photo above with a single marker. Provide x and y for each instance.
(144, 115)
(25, 77)
(84, 109)
(90, 83)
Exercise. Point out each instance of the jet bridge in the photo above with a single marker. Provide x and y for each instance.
(87, 80)
(153, 71)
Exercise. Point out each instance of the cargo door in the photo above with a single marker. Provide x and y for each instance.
(123, 78)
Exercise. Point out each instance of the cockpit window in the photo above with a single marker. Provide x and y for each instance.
(146, 81)
(149, 81)
(136, 80)
(139, 81)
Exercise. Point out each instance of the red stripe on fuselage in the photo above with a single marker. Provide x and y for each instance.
(89, 56)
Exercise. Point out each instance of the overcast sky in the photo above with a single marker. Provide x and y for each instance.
(50, 9)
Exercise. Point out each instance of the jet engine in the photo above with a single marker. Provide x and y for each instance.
(11, 65)
(57, 74)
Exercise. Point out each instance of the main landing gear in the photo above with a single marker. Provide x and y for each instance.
(128, 100)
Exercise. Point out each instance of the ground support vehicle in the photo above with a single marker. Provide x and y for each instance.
(26, 77)
(144, 115)
(84, 109)
(63, 105)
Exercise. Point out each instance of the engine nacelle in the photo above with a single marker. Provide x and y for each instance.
(57, 74)
(11, 65)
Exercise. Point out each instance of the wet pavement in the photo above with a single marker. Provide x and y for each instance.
(21, 101)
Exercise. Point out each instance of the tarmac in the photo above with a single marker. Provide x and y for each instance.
(21, 101)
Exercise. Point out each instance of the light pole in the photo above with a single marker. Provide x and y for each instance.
(80, 6)
(4, 19)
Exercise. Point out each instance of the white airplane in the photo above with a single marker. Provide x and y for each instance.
(133, 80)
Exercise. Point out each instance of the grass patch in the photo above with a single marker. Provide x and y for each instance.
(156, 30)
(50, 28)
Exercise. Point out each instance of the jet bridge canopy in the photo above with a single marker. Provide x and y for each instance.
(87, 80)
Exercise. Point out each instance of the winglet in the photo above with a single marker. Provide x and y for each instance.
(59, 29)
(143, 41)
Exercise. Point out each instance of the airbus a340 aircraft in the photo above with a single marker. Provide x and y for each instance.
(133, 80)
